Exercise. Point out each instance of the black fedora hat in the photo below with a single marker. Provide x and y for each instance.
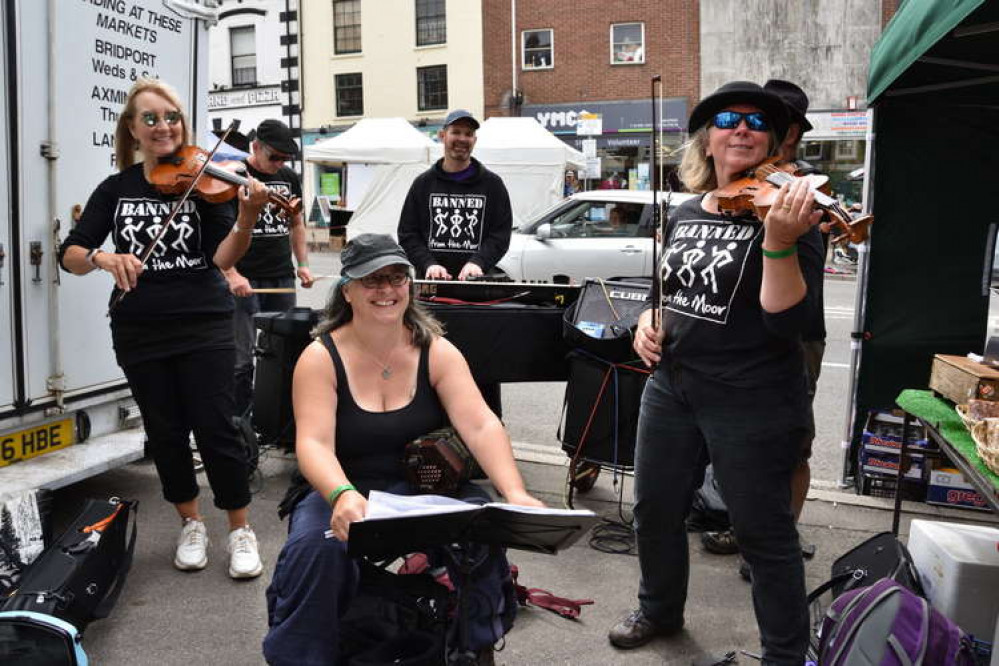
(740, 92)
(795, 99)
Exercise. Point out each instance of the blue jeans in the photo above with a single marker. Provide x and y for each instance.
(246, 333)
(753, 438)
(315, 580)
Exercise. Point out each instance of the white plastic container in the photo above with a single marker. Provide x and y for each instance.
(959, 568)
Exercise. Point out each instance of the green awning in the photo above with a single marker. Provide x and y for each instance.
(932, 45)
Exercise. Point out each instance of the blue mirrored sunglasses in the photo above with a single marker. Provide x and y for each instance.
(727, 120)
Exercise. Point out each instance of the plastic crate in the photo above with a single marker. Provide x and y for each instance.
(876, 485)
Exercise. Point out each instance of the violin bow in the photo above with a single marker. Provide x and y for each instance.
(656, 211)
(173, 213)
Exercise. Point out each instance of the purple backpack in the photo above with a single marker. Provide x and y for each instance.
(887, 625)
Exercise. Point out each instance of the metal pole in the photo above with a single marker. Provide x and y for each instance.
(860, 306)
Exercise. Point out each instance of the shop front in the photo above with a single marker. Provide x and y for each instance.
(836, 146)
(616, 138)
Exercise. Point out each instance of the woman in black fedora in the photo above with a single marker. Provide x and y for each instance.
(729, 385)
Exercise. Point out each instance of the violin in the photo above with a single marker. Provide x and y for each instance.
(219, 182)
(756, 192)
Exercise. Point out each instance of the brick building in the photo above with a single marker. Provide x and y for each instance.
(593, 60)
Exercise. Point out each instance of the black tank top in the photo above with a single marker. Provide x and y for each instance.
(369, 445)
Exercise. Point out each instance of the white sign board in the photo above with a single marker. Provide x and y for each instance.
(589, 124)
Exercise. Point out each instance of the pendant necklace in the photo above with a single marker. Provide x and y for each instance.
(386, 367)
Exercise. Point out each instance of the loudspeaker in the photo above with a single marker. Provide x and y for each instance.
(282, 337)
(603, 318)
(607, 397)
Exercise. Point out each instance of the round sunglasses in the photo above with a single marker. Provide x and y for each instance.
(151, 118)
(755, 120)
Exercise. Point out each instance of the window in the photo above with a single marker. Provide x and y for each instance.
(537, 49)
(349, 95)
(346, 26)
(431, 87)
(243, 47)
(598, 219)
(627, 43)
(431, 22)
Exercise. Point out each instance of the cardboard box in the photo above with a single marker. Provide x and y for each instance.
(959, 379)
(948, 488)
(887, 464)
(883, 433)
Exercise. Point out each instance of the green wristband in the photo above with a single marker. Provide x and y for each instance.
(339, 490)
(303, 264)
(780, 254)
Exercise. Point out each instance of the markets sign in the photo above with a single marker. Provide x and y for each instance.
(243, 97)
(624, 116)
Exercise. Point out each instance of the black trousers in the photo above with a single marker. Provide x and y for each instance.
(192, 392)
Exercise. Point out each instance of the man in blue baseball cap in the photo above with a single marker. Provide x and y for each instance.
(456, 220)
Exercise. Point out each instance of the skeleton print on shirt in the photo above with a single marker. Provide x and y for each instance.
(456, 222)
(137, 223)
(703, 265)
(269, 223)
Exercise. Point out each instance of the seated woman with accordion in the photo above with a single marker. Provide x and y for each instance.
(377, 376)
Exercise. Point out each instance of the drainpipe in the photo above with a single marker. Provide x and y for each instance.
(514, 105)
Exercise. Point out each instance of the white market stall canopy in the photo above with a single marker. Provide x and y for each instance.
(376, 141)
(523, 141)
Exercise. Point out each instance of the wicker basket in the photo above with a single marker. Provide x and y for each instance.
(962, 411)
(987, 447)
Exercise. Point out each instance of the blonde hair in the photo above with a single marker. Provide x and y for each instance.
(125, 145)
(697, 170)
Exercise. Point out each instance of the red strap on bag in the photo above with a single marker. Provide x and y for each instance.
(567, 608)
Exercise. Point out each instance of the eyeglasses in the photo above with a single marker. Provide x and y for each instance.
(755, 120)
(151, 119)
(277, 157)
(376, 281)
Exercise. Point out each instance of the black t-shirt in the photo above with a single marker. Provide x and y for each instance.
(712, 269)
(182, 300)
(452, 222)
(269, 255)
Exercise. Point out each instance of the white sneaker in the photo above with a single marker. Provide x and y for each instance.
(244, 560)
(192, 546)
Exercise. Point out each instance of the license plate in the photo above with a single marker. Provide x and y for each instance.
(35, 441)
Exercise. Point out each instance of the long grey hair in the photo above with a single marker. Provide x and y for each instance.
(416, 318)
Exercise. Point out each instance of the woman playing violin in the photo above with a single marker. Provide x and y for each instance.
(729, 385)
(172, 332)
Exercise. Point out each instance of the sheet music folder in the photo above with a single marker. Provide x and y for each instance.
(396, 525)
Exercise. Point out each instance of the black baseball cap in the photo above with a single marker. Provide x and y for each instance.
(366, 253)
(740, 92)
(278, 136)
(460, 114)
(795, 99)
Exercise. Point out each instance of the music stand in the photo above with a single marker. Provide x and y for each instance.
(521, 528)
